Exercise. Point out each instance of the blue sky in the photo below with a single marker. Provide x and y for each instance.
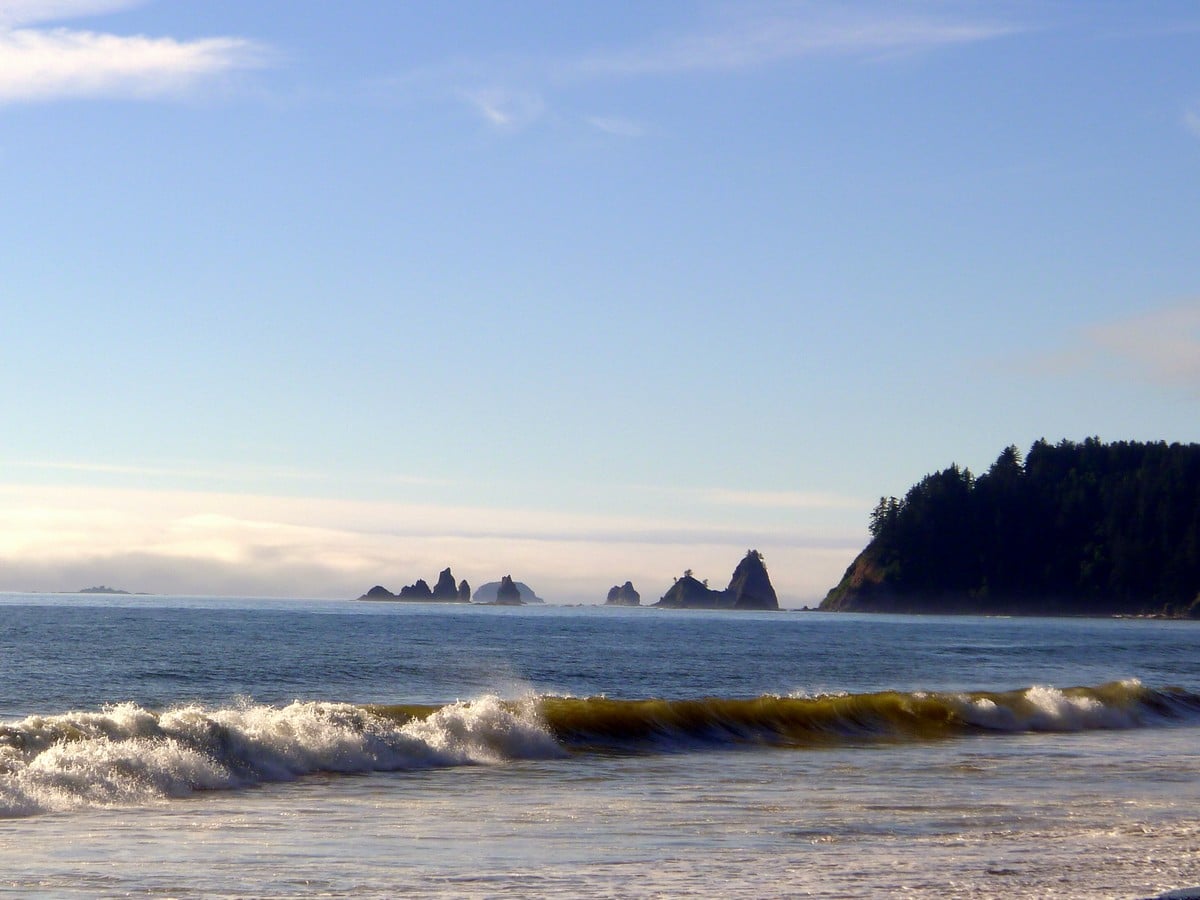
(300, 297)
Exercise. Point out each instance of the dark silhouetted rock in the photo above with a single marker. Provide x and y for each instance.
(419, 591)
(689, 593)
(486, 593)
(378, 593)
(625, 595)
(508, 594)
(445, 590)
(750, 588)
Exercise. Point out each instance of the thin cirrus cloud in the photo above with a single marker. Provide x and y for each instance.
(1161, 347)
(1191, 121)
(745, 37)
(43, 64)
(804, 31)
(617, 126)
(504, 108)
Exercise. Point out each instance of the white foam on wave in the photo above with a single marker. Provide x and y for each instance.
(1044, 708)
(127, 755)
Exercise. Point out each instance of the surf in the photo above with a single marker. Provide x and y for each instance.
(126, 755)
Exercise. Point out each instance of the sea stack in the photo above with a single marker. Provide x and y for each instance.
(625, 595)
(418, 592)
(446, 590)
(508, 594)
(749, 588)
(379, 592)
(486, 593)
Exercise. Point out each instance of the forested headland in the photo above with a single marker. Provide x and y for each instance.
(1087, 528)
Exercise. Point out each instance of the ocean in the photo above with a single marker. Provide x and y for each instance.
(240, 747)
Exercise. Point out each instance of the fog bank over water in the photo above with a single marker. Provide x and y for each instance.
(310, 547)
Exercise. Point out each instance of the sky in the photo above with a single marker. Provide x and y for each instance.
(300, 297)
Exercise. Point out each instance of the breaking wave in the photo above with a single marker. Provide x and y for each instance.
(127, 755)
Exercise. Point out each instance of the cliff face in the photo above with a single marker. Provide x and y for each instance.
(749, 588)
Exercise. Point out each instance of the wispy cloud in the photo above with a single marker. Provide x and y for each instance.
(1191, 121)
(42, 64)
(504, 108)
(512, 93)
(617, 126)
(795, 500)
(794, 31)
(1161, 346)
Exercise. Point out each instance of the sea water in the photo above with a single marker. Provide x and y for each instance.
(196, 747)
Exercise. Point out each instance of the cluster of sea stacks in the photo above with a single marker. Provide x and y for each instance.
(445, 591)
(504, 592)
(750, 588)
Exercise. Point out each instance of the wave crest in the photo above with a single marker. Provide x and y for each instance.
(128, 755)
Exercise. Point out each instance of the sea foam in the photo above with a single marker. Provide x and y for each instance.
(127, 755)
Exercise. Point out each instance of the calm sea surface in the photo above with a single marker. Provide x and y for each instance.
(198, 747)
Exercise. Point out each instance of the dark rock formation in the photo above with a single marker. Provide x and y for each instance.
(486, 593)
(689, 593)
(419, 591)
(444, 592)
(508, 594)
(749, 588)
(625, 595)
(378, 593)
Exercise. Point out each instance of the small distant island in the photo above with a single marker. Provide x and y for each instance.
(1070, 529)
(623, 595)
(101, 589)
(749, 588)
(490, 593)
